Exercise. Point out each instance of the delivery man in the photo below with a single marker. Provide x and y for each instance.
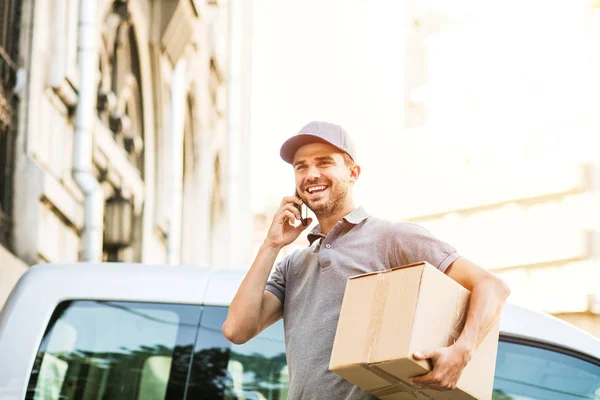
(307, 287)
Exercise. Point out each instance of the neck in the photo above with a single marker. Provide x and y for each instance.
(327, 223)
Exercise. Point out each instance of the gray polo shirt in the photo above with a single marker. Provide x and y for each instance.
(310, 284)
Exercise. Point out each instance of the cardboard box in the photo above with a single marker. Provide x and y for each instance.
(388, 316)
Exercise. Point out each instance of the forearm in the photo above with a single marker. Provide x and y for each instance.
(488, 295)
(487, 300)
(244, 316)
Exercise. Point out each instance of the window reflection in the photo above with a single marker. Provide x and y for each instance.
(115, 350)
(525, 372)
(119, 350)
(254, 370)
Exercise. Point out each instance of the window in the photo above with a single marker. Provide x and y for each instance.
(524, 372)
(115, 350)
(120, 108)
(256, 370)
(120, 80)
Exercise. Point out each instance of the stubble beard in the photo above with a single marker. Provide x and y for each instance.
(334, 204)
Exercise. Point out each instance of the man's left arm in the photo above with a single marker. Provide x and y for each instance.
(488, 295)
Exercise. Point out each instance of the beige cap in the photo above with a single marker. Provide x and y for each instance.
(318, 132)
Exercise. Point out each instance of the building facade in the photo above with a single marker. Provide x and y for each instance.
(508, 115)
(122, 146)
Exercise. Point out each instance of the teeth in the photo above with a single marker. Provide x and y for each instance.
(315, 188)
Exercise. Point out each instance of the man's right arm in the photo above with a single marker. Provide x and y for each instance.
(253, 308)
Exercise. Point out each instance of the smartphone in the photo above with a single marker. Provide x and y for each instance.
(299, 207)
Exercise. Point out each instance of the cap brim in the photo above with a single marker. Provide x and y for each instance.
(290, 146)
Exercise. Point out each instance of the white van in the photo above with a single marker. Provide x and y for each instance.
(136, 332)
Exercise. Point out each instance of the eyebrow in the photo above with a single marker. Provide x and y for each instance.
(321, 158)
(324, 158)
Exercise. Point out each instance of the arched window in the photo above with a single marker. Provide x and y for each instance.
(119, 92)
(120, 108)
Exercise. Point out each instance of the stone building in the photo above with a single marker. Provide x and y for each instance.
(117, 141)
(510, 116)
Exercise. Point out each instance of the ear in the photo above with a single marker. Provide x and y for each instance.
(354, 172)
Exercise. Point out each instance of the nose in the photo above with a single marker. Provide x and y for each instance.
(312, 173)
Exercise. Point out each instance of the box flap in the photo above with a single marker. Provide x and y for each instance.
(410, 265)
(388, 270)
(368, 274)
(361, 376)
(398, 385)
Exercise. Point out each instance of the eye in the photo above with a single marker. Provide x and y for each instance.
(300, 167)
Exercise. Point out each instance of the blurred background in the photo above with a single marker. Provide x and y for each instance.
(149, 130)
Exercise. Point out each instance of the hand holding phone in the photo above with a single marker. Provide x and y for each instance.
(283, 230)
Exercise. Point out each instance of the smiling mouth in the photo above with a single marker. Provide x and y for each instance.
(316, 189)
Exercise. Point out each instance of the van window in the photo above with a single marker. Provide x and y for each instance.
(256, 370)
(527, 372)
(115, 350)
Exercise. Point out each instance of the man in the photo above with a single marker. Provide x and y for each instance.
(307, 287)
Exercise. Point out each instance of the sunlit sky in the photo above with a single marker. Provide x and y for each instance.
(337, 60)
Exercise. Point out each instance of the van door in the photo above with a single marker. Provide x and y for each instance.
(94, 350)
(225, 371)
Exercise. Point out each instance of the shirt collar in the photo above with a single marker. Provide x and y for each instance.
(355, 217)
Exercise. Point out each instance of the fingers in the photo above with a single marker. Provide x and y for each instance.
(432, 380)
(421, 379)
(302, 227)
(290, 200)
(429, 378)
(424, 355)
(290, 203)
(289, 216)
(292, 219)
(443, 375)
(290, 207)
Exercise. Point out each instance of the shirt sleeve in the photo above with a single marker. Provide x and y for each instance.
(276, 282)
(415, 244)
